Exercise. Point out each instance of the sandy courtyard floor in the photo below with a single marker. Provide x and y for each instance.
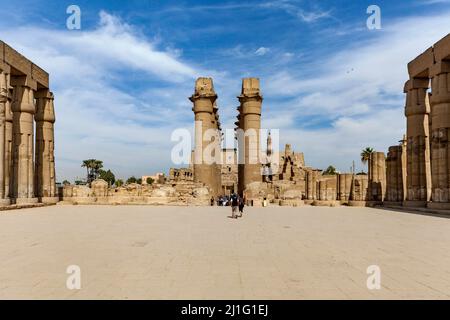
(144, 252)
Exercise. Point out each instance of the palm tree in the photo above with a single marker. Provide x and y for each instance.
(365, 154)
(92, 168)
(87, 164)
(96, 166)
(365, 157)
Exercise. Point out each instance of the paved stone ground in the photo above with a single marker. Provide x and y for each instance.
(144, 252)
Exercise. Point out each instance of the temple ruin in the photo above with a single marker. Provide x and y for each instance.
(27, 163)
(414, 173)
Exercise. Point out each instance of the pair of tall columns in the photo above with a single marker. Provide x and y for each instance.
(22, 179)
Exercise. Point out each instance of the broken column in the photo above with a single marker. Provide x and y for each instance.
(249, 124)
(23, 109)
(418, 145)
(207, 136)
(344, 186)
(377, 176)
(394, 174)
(45, 160)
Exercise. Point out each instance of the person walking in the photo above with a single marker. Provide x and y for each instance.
(234, 205)
(241, 206)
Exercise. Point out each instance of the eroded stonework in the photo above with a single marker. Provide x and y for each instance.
(27, 143)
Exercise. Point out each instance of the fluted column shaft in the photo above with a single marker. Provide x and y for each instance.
(3, 101)
(23, 109)
(45, 184)
(418, 144)
(205, 110)
(440, 126)
(250, 123)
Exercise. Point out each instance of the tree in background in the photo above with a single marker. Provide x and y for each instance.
(365, 156)
(66, 182)
(119, 183)
(150, 180)
(139, 181)
(131, 179)
(108, 176)
(330, 171)
(92, 168)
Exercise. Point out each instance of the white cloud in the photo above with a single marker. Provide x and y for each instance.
(358, 90)
(96, 116)
(262, 51)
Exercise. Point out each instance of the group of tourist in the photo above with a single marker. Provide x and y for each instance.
(234, 200)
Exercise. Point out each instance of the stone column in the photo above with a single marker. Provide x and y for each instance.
(440, 126)
(377, 176)
(418, 145)
(4, 97)
(23, 109)
(394, 174)
(45, 183)
(344, 186)
(250, 122)
(204, 98)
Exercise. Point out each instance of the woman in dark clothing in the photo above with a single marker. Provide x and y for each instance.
(241, 206)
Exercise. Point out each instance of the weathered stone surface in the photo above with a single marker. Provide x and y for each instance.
(207, 131)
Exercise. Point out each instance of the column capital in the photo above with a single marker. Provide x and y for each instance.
(204, 88)
(23, 81)
(45, 110)
(416, 83)
(250, 90)
(439, 68)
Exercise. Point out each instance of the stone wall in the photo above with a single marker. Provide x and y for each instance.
(177, 194)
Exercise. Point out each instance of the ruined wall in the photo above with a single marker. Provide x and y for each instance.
(178, 194)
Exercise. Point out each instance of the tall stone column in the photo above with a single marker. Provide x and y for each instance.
(45, 183)
(418, 145)
(4, 96)
(204, 98)
(23, 109)
(440, 126)
(250, 122)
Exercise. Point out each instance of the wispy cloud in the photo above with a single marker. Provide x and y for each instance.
(99, 113)
(261, 51)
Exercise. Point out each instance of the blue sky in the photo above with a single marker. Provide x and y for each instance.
(121, 83)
